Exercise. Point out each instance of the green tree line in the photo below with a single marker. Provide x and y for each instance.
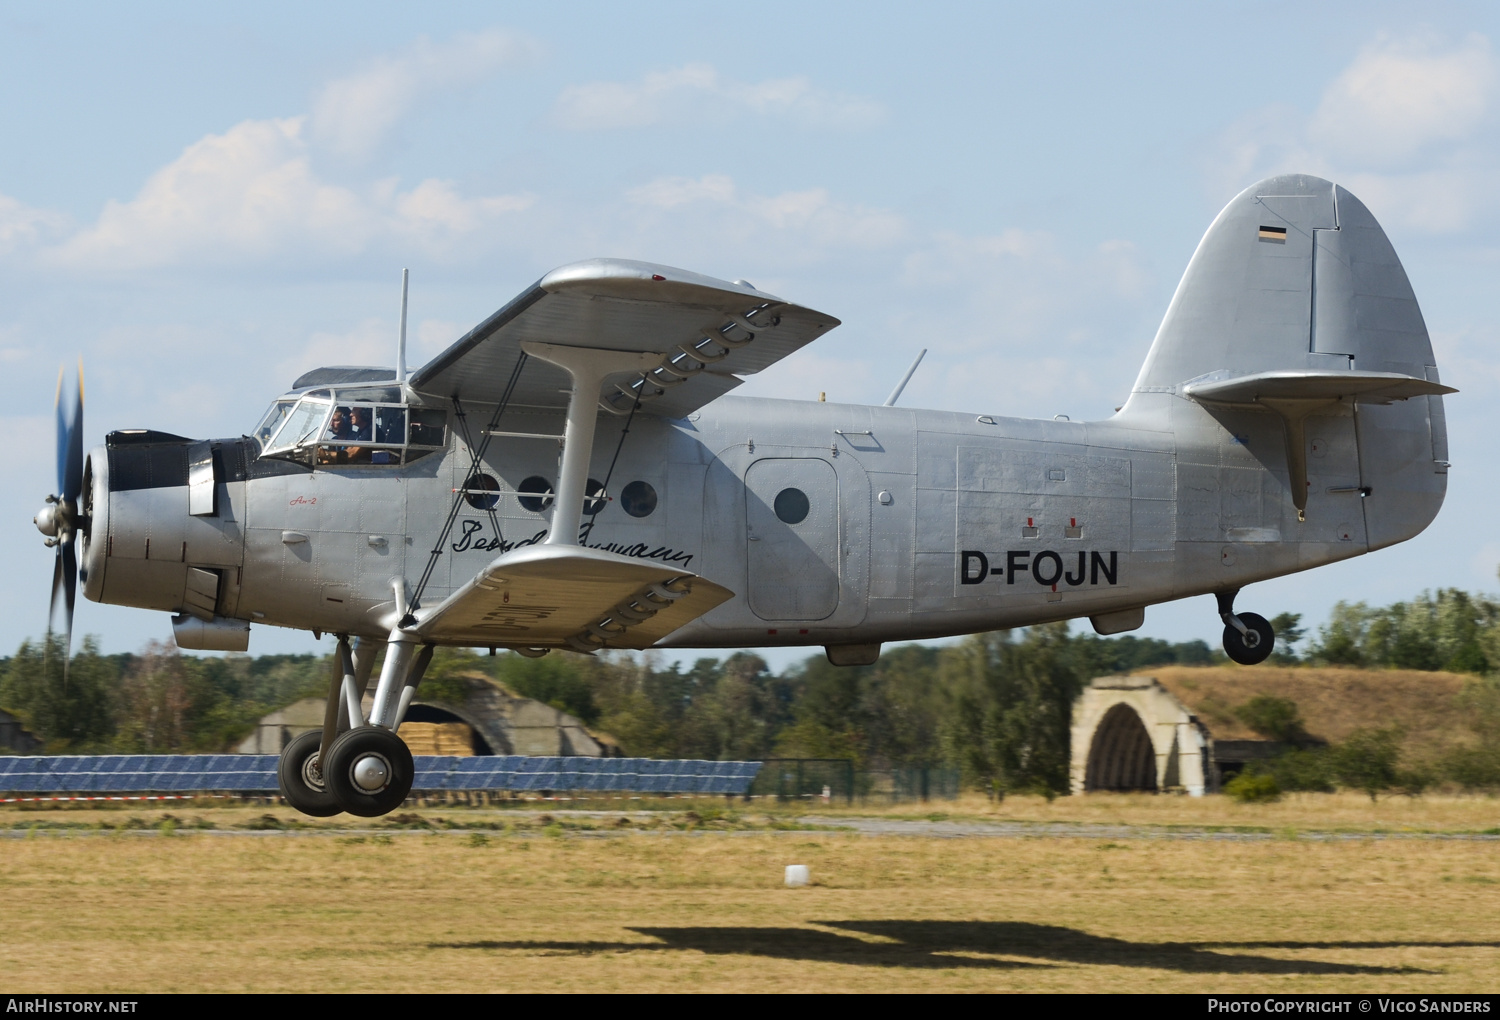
(997, 706)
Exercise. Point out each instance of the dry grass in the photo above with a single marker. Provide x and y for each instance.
(1300, 812)
(554, 909)
(1334, 701)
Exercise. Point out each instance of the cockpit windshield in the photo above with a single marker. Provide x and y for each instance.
(302, 424)
(272, 421)
(359, 425)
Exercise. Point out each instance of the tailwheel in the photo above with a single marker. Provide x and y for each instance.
(301, 779)
(369, 771)
(1254, 644)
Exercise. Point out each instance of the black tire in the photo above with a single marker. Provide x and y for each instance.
(300, 779)
(1254, 647)
(353, 747)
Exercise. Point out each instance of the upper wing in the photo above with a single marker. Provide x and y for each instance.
(568, 596)
(707, 331)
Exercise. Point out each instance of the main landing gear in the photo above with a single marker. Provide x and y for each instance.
(369, 771)
(1248, 637)
(356, 764)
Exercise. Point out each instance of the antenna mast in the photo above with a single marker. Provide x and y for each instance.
(401, 339)
(889, 401)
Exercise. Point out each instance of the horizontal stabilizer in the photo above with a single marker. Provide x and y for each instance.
(1361, 387)
(555, 596)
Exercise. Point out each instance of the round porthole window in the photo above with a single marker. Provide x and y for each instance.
(536, 494)
(594, 501)
(791, 506)
(480, 492)
(638, 499)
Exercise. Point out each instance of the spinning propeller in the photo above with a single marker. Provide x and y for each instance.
(61, 520)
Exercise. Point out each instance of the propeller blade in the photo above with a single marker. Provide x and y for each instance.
(68, 558)
(57, 585)
(72, 481)
(62, 434)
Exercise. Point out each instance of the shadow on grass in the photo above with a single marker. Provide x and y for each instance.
(942, 944)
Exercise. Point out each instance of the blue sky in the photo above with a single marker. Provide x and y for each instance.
(204, 200)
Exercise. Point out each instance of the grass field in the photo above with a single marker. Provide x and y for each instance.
(668, 901)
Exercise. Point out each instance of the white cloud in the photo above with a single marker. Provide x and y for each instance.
(21, 226)
(667, 192)
(1015, 321)
(372, 342)
(252, 194)
(697, 92)
(1407, 126)
(352, 115)
(718, 208)
(1400, 96)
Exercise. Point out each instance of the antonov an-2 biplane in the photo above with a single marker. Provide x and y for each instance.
(571, 475)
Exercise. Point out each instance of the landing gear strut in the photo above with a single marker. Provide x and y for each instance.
(1248, 637)
(356, 764)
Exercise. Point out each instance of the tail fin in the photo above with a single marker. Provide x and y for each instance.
(1295, 291)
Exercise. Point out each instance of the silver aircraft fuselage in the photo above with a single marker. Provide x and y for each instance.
(1288, 415)
(918, 524)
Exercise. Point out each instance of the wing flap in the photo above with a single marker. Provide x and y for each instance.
(570, 597)
(613, 304)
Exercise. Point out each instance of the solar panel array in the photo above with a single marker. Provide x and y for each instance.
(256, 773)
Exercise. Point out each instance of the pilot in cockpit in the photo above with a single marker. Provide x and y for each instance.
(338, 425)
(359, 425)
(347, 425)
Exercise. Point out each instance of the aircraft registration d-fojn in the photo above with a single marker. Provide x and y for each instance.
(571, 474)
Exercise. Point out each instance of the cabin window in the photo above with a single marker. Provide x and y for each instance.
(481, 492)
(791, 506)
(535, 493)
(638, 499)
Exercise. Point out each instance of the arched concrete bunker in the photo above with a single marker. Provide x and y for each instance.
(1121, 756)
(1131, 733)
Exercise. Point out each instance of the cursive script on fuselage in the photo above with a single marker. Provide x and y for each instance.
(470, 538)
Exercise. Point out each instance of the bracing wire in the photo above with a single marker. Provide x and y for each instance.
(476, 457)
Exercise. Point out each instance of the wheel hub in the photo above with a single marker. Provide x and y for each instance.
(371, 773)
(312, 772)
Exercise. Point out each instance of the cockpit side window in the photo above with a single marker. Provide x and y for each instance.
(364, 434)
(365, 426)
(428, 426)
(390, 425)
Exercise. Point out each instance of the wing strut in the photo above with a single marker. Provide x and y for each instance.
(588, 367)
